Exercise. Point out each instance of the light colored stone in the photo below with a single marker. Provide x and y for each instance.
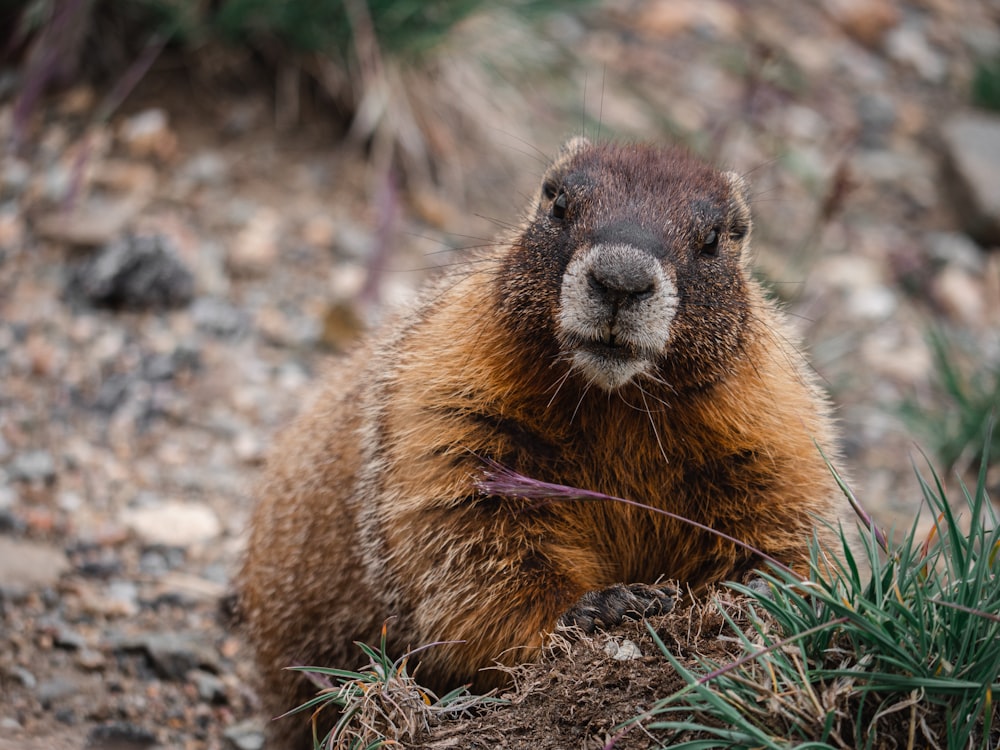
(28, 565)
(625, 650)
(908, 45)
(255, 249)
(148, 134)
(173, 523)
(959, 295)
(96, 222)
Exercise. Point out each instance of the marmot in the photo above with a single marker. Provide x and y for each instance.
(617, 343)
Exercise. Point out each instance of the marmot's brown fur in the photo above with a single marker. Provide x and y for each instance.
(616, 343)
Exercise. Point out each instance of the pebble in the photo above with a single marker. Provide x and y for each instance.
(625, 650)
(211, 688)
(955, 248)
(90, 660)
(93, 222)
(173, 654)
(34, 466)
(972, 150)
(26, 565)
(908, 45)
(55, 690)
(120, 736)
(147, 134)
(865, 20)
(246, 735)
(958, 295)
(255, 250)
(173, 523)
(218, 317)
(205, 168)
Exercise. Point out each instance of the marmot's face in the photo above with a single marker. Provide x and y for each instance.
(638, 255)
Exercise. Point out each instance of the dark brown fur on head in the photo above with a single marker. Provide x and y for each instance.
(692, 220)
(617, 344)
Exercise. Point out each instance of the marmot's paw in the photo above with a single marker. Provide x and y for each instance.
(600, 610)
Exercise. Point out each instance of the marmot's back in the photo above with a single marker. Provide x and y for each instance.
(616, 343)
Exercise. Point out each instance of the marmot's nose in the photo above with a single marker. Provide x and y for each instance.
(615, 279)
(619, 275)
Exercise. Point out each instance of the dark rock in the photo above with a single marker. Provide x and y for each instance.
(136, 272)
(877, 113)
(211, 689)
(173, 655)
(119, 736)
(972, 151)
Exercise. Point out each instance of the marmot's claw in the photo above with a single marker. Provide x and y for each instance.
(601, 610)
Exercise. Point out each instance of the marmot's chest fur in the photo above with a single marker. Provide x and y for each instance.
(616, 343)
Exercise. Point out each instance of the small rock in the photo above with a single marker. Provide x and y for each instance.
(55, 690)
(959, 295)
(626, 650)
(148, 134)
(124, 595)
(954, 248)
(173, 655)
(319, 231)
(174, 523)
(211, 688)
(119, 736)
(877, 113)
(35, 466)
(217, 316)
(69, 639)
(247, 735)
(26, 678)
(137, 272)
(672, 17)
(867, 21)
(91, 223)
(248, 448)
(29, 565)
(90, 660)
(8, 724)
(972, 151)
(255, 249)
(908, 45)
(205, 168)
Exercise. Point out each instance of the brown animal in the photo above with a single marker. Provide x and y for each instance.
(616, 343)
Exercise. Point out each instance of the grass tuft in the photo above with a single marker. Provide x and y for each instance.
(380, 705)
(908, 658)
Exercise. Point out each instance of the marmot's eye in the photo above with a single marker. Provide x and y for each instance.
(559, 205)
(710, 243)
(549, 189)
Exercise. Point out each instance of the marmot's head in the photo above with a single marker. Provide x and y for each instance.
(633, 265)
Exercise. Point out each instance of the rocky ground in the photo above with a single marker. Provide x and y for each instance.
(172, 278)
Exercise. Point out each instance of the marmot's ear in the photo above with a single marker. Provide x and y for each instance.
(739, 186)
(574, 145)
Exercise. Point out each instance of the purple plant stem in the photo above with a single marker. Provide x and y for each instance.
(505, 482)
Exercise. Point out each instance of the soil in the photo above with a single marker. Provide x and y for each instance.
(133, 424)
